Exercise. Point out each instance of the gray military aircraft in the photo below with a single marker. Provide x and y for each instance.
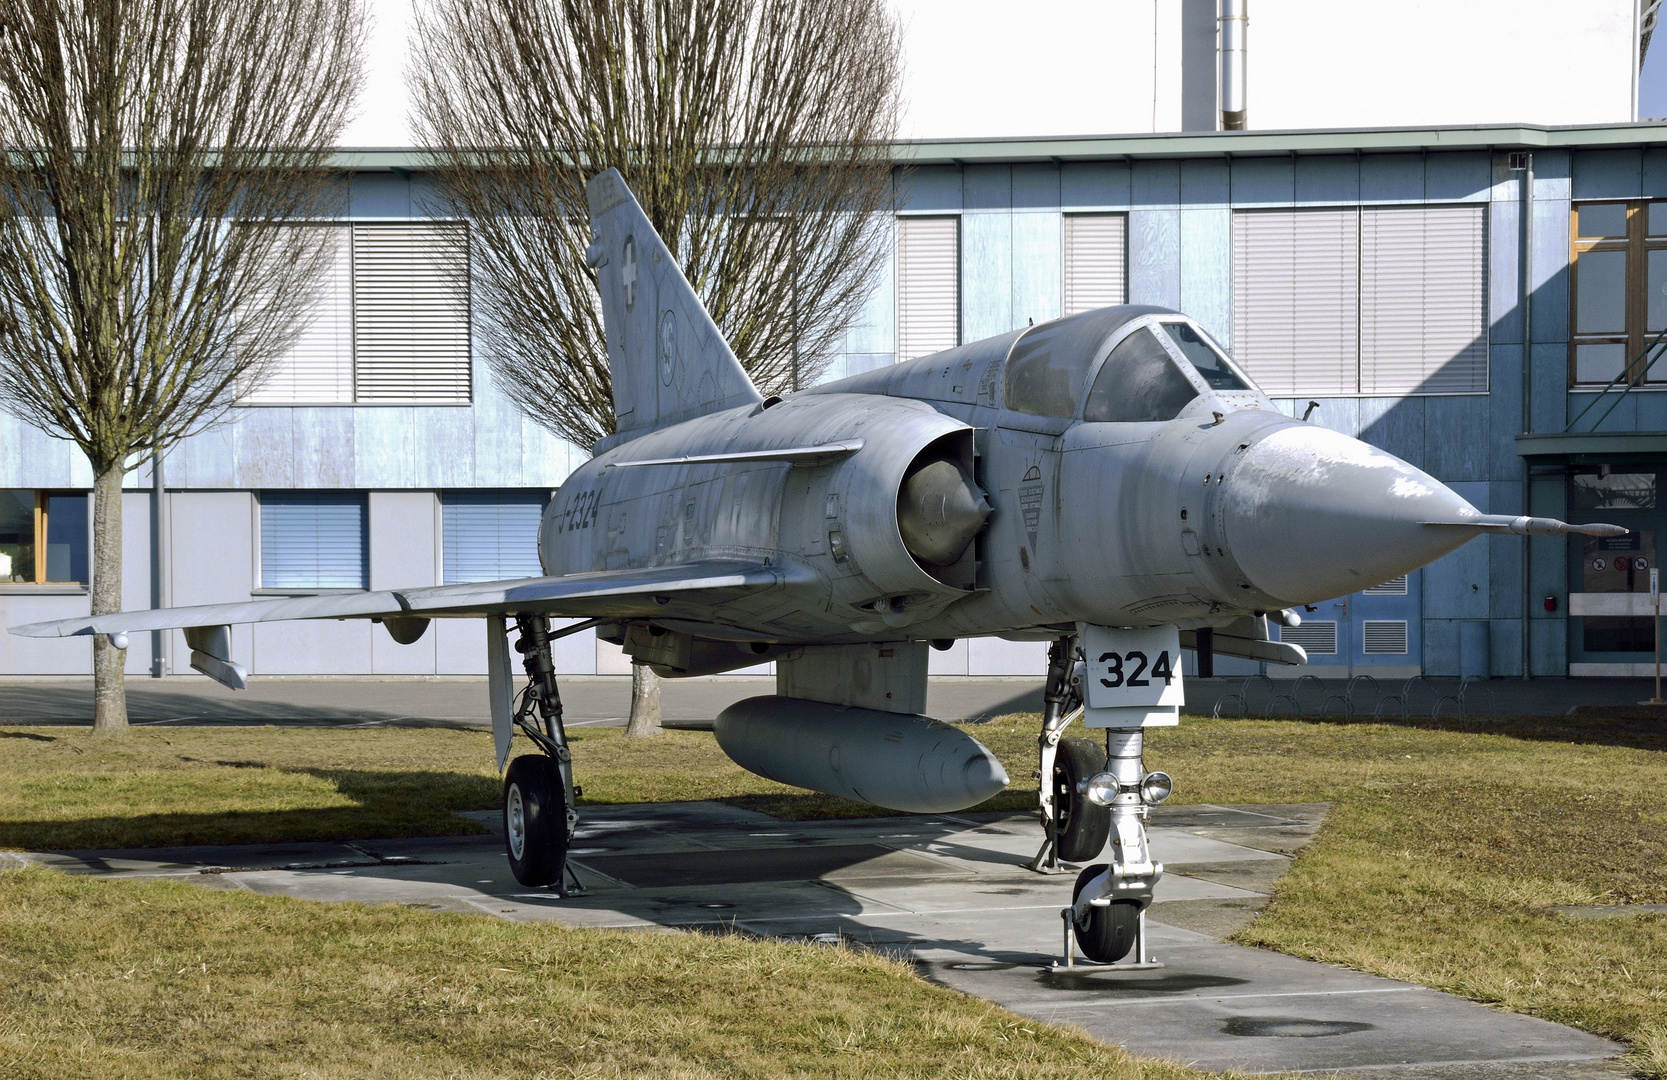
(1109, 482)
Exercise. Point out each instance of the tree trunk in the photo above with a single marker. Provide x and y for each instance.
(109, 691)
(645, 702)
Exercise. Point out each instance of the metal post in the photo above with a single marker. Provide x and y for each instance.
(1525, 305)
(1655, 600)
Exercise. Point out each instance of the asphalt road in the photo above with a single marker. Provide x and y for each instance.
(602, 700)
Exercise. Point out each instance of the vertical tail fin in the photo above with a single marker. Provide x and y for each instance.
(668, 361)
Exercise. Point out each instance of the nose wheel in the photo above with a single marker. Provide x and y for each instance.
(1105, 933)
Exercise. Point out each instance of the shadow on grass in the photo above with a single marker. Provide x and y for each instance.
(384, 805)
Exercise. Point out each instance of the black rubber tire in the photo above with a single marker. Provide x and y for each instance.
(1082, 828)
(535, 820)
(1110, 932)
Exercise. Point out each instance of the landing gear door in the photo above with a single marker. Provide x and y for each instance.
(1132, 678)
(500, 688)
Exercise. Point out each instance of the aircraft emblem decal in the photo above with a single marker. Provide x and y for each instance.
(668, 346)
(628, 271)
(1030, 502)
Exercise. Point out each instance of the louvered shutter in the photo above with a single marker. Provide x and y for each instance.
(1096, 247)
(490, 536)
(318, 369)
(1422, 300)
(1383, 637)
(312, 540)
(928, 285)
(411, 312)
(1395, 586)
(1296, 299)
(1317, 637)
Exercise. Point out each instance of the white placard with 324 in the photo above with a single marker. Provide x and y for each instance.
(1129, 668)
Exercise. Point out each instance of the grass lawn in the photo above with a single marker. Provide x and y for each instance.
(1443, 859)
(113, 978)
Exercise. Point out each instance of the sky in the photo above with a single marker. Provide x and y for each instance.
(1652, 81)
(960, 78)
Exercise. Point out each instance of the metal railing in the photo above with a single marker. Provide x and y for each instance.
(1626, 380)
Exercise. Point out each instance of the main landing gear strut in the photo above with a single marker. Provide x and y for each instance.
(539, 793)
(1086, 798)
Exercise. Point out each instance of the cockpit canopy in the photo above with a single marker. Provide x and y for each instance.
(1149, 371)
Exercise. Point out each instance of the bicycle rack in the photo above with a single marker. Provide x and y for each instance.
(1461, 703)
(1296, 706)
(1346, 698)
(1404, 698)
(1242, 696)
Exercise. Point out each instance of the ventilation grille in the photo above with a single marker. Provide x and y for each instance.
(1393, 587)
(1318, 637)
(1384, 637)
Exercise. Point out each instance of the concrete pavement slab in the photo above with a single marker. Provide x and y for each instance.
(950, 892)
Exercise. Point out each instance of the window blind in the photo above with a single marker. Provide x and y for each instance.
(1296, 299)
(928, 285)
(490, 536)
(318, 368)
(1096, 252)
(411, 312)
(313, 540)
(1423, 307)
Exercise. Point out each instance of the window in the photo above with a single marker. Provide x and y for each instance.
(43, 537)
(928, 285)
(1096, 247)
(1619, 268)
(490, 536)
(313, 540)
(1138, 382)
(391, 322)
(1361, 300)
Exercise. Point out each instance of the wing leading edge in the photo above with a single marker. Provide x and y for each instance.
(621, 593)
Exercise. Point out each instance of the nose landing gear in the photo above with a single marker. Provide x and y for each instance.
(1075, 829)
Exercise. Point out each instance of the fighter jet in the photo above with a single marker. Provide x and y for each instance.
(1111, 483)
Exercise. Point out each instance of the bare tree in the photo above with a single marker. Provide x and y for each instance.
(645, 718)
(755, 133)
(155, 156)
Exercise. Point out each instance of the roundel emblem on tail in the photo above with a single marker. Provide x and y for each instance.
(668, 346)
(628, 271)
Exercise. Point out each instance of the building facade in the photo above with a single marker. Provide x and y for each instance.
(1479, 301)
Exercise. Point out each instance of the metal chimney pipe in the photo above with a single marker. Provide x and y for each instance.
(1233, 20)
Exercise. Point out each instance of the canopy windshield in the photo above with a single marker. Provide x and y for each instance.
(1047, 371)
(1210, 364)
(1139, 382)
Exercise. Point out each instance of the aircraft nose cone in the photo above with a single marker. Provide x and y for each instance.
(1311, 514)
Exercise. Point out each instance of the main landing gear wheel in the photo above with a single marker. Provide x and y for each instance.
(1082, 828)
(1111, 930)
(535, 820)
